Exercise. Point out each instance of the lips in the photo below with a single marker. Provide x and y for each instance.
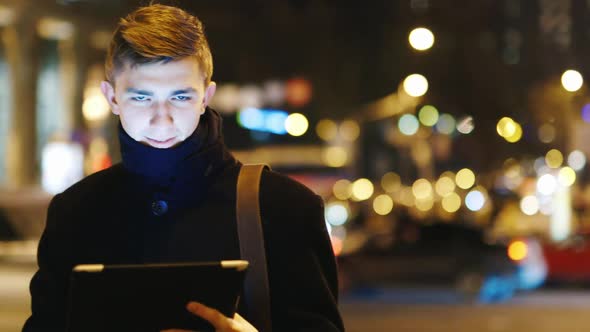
(162, 144)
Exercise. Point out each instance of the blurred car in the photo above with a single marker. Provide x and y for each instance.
(445, 254)
(568, 261)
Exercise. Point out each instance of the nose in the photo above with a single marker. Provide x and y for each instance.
(162, 115)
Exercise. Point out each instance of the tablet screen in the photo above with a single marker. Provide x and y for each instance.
(151, 297)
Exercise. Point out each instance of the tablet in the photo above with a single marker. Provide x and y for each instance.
(151, 297)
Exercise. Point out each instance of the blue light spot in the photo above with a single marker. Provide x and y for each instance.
(251, 118)
(275, 122)
(586, 113)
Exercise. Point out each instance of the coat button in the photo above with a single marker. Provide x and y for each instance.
(159, 207)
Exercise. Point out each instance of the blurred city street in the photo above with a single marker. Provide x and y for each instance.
(398, 310)
(447, 140)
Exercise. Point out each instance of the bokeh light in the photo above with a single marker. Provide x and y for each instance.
(383, 204)
(446, 124)
(425, 204)
(529, 205)
(586, 113)
(415, 85)
(576, 160)
(326, 129)
(298, 92)
(226, 98)
(391, 182)
(250, 95)
(506, 127)
(517, 250)
(408, 124)
(566, 176)
(95, 107)
(465, 125)
(335, 156)
(572, 80)
(422, 189)
(342, 189)
(275, 122)
(336, 213)
(465, 178)
(251, 118)
(554, 158)
(546, 184)
(517, 134)
(444, 186)
(451, 202)
(475, 200)
(296, 124)
(273, 93)
(546, 133)
(349, 130)
(406, 197)
(540, 166)
(428, 115)
(421, 39)
(362, 189)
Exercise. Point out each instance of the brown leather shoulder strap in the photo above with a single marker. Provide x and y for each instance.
(251, 238)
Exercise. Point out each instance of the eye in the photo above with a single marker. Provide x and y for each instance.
(181, 98)
(139, 98)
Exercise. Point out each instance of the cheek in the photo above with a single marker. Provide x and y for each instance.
(187, 121)
(134, 119)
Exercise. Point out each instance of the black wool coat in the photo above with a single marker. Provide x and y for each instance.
(108, 218)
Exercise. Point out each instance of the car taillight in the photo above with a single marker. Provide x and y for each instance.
(517, 250)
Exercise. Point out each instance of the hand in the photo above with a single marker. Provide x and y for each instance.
(218, 320)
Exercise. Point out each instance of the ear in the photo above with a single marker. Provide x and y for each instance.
(109, 93)
(209, 92)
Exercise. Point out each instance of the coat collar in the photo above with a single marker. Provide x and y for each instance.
(182, 174)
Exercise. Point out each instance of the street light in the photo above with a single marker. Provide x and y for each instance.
(421, 39)
(572, 80)
(415, 85)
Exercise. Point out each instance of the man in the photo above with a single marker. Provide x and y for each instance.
(173, 197)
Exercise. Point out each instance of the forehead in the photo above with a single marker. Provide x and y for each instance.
(185, 72)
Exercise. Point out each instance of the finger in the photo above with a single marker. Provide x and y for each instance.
(243, 323)
(217, 319)
(240, 319)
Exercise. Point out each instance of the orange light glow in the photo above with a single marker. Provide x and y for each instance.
(517, 250)
(336, 245)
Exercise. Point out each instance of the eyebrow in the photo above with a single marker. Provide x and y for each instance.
(140, 92)
(148, 93)
(183, 91)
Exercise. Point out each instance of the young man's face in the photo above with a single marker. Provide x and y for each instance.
(159, 104)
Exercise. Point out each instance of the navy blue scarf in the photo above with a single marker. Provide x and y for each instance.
(180, 174)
